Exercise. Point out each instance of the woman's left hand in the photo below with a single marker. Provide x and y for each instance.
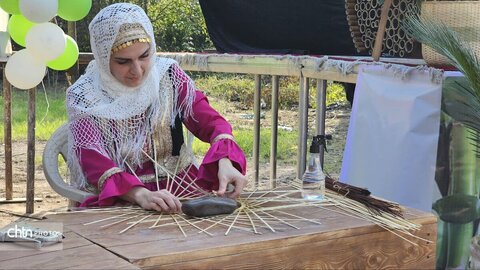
(227, 174)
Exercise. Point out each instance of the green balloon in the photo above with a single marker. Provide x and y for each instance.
(73, 10)
(18, 27)
(68, 58)
(10, 6)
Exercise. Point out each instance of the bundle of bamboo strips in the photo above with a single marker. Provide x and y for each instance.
(377, 206)
(363, 18)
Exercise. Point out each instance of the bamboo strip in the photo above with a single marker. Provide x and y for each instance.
(306, 219)
(230, 227)
(282, 220)
(134, 224)
(179, 226)
(251, 222)
(215, 223)
(195, 226)
(157, 221)
(108, 218)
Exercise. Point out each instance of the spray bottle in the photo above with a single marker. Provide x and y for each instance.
(313, 187)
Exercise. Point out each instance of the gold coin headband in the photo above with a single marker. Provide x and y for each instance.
(130, 43)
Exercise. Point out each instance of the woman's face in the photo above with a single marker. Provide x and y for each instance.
(131, 64)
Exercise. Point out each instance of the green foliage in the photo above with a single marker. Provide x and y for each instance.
(50, 114)
(240, 89)
(286, 147)
(178, 24)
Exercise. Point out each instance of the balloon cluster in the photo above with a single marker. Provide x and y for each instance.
(46, 45)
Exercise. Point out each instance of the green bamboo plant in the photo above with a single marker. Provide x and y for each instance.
(459, 207)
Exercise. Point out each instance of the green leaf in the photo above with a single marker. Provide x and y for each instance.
(458, 208)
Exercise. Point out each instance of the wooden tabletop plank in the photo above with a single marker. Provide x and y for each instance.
(333, 225)
(168, 247)
(71, 240)
(339, 241)
(377, 250)
(84, 257)
(160, 253)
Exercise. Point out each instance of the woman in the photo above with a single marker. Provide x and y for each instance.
(125, 119)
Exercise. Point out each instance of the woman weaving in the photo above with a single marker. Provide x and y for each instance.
(125, 118)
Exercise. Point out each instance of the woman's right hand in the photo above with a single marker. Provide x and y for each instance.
(162, 200)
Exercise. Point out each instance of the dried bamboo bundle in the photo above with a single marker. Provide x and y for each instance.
(363, 196)
(363, 18)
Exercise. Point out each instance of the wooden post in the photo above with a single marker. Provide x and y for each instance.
(273, 144)
(320, 112)
(256, 137)
(377, 49)
(31, 151)
(302, 126)
(7, 133)
(73, 72)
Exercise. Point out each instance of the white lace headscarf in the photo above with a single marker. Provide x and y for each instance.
(114, 119)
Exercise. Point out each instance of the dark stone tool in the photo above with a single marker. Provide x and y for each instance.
(209, 206)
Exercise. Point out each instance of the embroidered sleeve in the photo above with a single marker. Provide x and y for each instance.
(107, 175)
(221, 137)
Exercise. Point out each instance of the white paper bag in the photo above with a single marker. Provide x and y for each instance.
(392, 138)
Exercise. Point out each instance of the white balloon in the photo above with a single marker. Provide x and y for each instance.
(38, 11)
(46, 41)
(24, 71)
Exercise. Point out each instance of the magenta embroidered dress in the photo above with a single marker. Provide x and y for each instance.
(205, 123)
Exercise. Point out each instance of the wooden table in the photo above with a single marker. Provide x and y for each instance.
(340, 241)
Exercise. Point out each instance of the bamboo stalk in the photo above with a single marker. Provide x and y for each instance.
(350, 5)
(355, 29)
(350, 12)
(463, 182)
(352, 17)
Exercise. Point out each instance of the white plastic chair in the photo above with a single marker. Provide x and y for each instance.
(58, 145)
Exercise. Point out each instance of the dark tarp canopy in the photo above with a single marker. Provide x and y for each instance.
(315, 27)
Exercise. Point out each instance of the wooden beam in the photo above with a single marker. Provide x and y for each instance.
(377, 48)
(31, 151)
(73, 72)
(7, 134)
(281, 65)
